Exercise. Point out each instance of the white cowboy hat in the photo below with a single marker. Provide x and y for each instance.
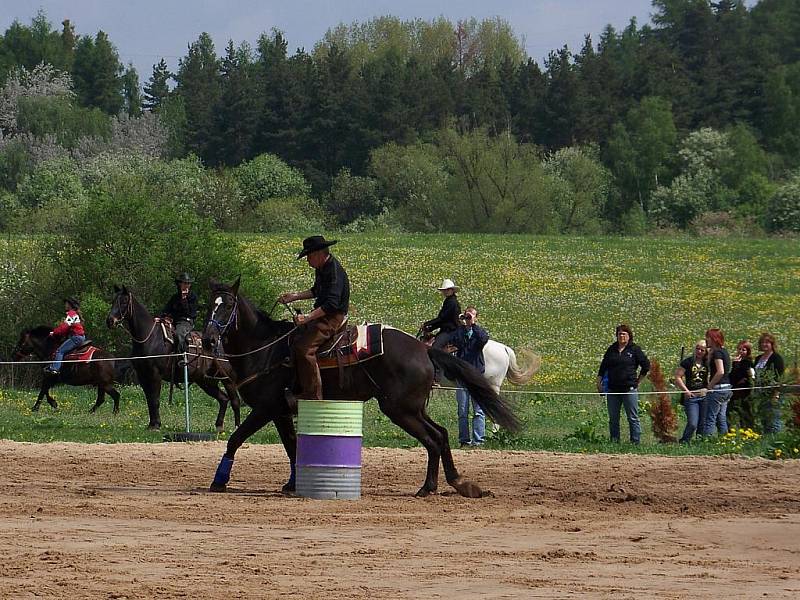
(447, 284)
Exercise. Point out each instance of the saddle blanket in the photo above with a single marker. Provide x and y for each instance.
(84, 354)
(368, 343)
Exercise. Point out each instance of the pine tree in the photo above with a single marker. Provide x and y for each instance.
(131, 92)
(198, 80)
(97, 74)
(156, 89)
(236, 116)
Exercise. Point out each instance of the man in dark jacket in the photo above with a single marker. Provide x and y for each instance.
(331, 291)
(468, 341)
(182, 309)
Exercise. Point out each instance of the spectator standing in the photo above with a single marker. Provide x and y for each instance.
(741, 383)
(625, 364)
(769, 369)
(468, 341)
(691, 377)
(719, 384)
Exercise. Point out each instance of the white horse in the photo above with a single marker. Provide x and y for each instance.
(501, 364)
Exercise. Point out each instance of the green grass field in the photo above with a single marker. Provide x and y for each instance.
(559, 296)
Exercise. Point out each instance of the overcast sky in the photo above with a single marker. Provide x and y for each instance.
(146, 30)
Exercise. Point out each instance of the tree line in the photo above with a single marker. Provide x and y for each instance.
(692, 121)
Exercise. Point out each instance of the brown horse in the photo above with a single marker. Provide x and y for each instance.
(39, 343)
(400, 379)
(148, 339)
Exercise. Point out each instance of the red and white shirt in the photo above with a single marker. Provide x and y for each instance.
(71, 326)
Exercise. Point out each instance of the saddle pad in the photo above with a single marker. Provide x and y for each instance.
(85, 354)
(368, 344)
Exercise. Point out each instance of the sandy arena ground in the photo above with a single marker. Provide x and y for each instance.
(135, 521)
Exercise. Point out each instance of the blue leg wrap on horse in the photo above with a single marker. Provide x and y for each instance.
(292, 473)
(223, 474)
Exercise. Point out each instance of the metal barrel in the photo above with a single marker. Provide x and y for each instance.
(329, 449)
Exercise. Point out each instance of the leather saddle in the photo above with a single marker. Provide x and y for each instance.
(351, 345)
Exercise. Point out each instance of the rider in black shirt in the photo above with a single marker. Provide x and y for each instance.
(182, 309)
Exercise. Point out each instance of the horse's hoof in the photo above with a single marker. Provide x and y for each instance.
(288, 487)
(94, 408)
(220, 429)
(424, 492)
(467, 489)
(154, 427)
(34, 409)
(116, 411)
(217, 487)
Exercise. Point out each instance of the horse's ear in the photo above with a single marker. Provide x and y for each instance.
(117, 289)
(213, 283)
(235, 286)
(125, 289)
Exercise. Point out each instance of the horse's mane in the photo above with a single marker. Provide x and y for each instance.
(266, 327)
(40, 331)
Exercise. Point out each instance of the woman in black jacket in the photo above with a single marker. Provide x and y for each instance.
(624, 364)
(769, 369)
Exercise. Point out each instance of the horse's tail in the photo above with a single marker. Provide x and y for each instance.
(520, 375)
(479, 388)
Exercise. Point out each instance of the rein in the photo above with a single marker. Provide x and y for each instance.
(128, 316)
(260, 348)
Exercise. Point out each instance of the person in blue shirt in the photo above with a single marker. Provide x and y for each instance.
(468, 341)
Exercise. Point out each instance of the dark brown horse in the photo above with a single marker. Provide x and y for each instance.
(39, 343)
(400, 379)
(148, 339)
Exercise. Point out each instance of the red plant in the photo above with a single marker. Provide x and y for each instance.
(665, 422)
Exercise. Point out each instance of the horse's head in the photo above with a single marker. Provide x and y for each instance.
(221, 315)
(36, 341)
(121, 306)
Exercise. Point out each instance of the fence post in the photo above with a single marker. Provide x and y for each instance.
(186, 389)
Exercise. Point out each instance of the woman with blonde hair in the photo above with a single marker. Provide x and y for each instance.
(691, 377)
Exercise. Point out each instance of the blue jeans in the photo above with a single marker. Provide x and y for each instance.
(695, 416)
(772, 421)
(716, 404)
(478, 420)
(630, 400)
(67, 345)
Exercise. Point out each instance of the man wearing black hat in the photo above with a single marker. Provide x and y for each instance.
(182, 309)
(331, 291)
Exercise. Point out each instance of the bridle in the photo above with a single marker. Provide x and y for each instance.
(233, 318)
(127, 317)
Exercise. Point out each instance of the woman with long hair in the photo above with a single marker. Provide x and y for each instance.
(719, 383)
(769, 369)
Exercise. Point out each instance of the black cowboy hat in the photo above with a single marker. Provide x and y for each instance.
(184, 278)
(73, 302)
(314, 243)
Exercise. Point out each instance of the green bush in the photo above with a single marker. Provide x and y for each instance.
(784, 207)
(352, 197)
(9, 208)
(267, 176)
(293, 214)
(130, 234)
(56, 179)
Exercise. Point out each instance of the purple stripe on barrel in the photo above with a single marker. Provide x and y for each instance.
(328, 451)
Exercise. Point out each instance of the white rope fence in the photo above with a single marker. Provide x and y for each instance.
(189, 355)
(674, 390)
